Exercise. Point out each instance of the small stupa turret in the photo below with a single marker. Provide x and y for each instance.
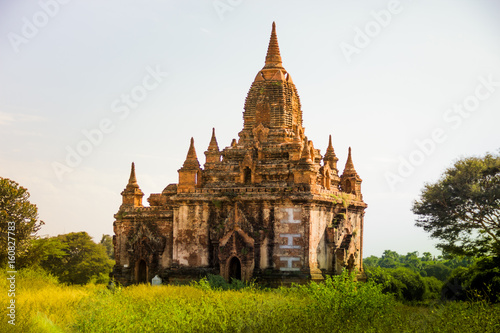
(132, 194)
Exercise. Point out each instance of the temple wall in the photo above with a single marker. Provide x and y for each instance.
(289, 238)
(191, 235)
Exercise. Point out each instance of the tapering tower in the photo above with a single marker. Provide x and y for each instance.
(132, 194)
(350, 182)
(213, 153)
(190, 173)
(272, 107)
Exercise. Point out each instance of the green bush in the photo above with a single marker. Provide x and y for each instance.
(479, 281)
(438, 270)
(402, 282)
(432, 287)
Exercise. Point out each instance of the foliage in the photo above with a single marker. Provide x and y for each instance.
(433, 288)
(426, 265)
(437, 270)
(18, 216)
(107, 242)
(82, 261)
(42, 304)
(217, 282)
(404, 275)
(344, 198)
(462, 209)
(481, 280)
(340, 297)
(42, 249)
(404, 283)
(338, 305)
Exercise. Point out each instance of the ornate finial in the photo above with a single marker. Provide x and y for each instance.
(273, 57)
(132, 181)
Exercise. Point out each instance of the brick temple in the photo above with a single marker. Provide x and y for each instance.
(269, 207)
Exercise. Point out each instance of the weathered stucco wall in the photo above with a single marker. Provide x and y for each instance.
(191, 237)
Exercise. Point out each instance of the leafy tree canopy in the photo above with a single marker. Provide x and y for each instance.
(462, 209)
(18, 216)
(107, 242)
(77, 259)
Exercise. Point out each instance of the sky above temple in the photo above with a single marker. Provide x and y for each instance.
(87, 87)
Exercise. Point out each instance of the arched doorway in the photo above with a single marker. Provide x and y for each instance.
(142, 272)
(234, 269)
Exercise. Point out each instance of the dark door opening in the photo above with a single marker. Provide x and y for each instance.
(234, 269)
(142, 272)
(247, 175)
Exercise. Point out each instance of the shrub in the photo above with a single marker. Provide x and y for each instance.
(439, 271)
(432, 287)
(481, 280)
(402, 282)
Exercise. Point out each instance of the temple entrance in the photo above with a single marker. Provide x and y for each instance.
(248, 175)
(234, 269)
(142, 272)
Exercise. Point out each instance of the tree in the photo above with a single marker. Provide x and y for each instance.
(83, 260)
(402, 282)
(438, 270)
(43, 249)
(17, 216)
(371, 261)
(107, 242)
(389, 259)
(482, 279)
(462, 209)
(426, 256)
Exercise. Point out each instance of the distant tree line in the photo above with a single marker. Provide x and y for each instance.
(415, 278)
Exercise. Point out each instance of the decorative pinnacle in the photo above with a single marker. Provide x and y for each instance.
(349, 166)
(273, 57)
(213, 142)
(306, 153)
(192, 152)
(330, 156)
(330, 147)
(191, 158)
(132, 181)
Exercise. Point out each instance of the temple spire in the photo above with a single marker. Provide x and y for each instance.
(330, 147)
(191, 158)
(132, 194)
(132, 181)
(273, 57)
(213, 153)
(213, 142)
(349, 166)
(330, 158)
(350, 182)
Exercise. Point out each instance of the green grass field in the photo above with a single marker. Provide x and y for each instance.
(339, 305)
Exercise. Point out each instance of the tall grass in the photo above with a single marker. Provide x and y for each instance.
(337, 305)
(42, 304)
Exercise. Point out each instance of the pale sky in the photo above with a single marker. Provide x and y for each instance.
(410, 85)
